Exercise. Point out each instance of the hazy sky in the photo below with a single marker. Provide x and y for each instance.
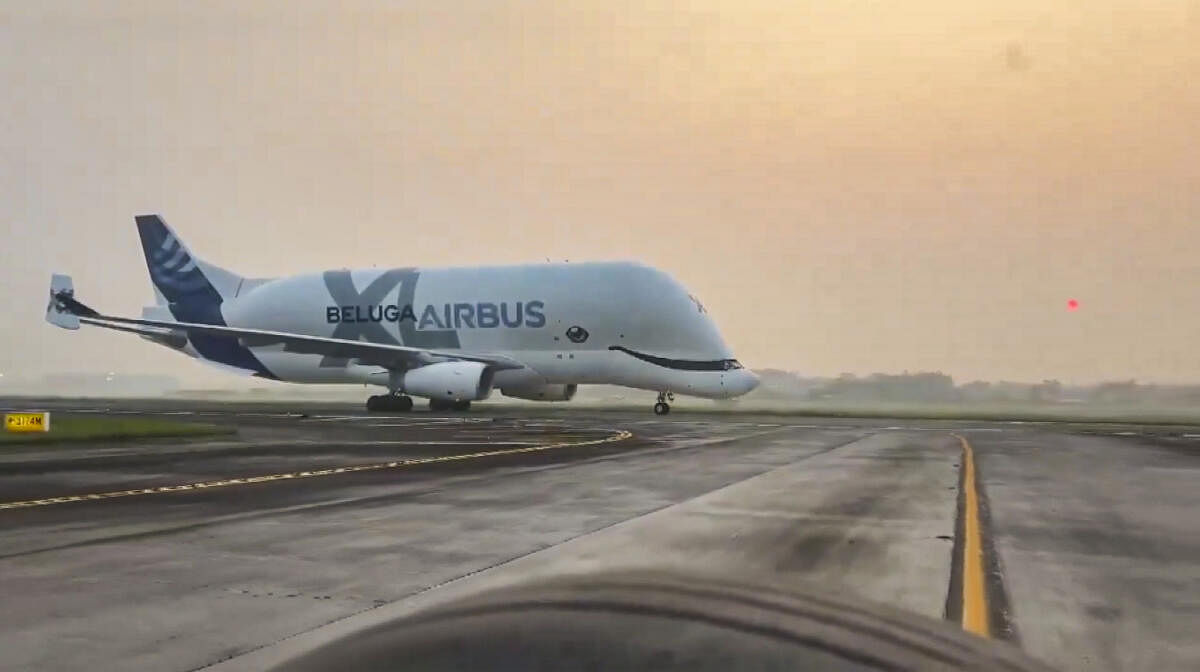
(848, 186)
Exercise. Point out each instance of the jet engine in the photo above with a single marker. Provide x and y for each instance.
(540, 392)
(449, 381)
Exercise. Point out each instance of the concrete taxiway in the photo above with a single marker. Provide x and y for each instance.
(311, 522)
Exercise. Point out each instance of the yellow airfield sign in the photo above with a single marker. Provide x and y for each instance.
(27, 422)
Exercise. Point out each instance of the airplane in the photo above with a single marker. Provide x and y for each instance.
(451, 335)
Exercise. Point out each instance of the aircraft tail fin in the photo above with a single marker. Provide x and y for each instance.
(191, 287)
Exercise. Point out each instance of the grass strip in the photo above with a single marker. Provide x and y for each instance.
(64, 429)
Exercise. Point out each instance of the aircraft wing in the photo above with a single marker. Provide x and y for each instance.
(170, 337)
(67, 312)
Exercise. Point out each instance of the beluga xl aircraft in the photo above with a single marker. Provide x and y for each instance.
(450, 335)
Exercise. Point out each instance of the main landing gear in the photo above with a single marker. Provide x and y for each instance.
(389, 402)
(442, 405)
(402, 403)
(662, 407)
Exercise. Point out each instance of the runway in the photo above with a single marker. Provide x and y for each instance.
(234, 553)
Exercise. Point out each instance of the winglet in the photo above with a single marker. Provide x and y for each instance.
(57, 311)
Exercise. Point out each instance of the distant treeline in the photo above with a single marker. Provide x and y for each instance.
(939, 387)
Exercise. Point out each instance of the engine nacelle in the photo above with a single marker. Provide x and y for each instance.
(449, 381)
(542, 392)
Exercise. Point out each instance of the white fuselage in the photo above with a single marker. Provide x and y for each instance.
(588, 323)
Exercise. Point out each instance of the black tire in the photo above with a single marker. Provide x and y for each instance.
(662, 408)
(375, 403)
(438, 406)
(635, 622)
(389, 403)
(461, 406)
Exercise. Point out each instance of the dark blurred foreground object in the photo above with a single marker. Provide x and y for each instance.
(641, 622)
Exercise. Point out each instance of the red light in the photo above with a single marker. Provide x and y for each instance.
(1072, 305)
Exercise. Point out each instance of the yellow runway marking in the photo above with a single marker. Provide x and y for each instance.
(974, 583)
(618, 435)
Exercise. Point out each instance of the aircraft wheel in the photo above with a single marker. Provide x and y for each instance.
(437, 405)
(389, 402)
(662, 408)
(461, 406)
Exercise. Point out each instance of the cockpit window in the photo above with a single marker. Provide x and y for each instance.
(732, 364)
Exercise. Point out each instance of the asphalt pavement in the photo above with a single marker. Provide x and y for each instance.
(314, 522)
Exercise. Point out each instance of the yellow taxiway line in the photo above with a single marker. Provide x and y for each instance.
(618, 435)
(974, 580)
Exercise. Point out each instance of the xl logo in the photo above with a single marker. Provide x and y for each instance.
(364, 315)
(341, 287)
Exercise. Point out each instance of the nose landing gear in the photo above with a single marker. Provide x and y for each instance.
(662, 407)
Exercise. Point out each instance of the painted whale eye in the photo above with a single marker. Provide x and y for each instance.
(577, 334)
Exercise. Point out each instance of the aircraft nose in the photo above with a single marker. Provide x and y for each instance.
(752, 380)
(743, 382)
